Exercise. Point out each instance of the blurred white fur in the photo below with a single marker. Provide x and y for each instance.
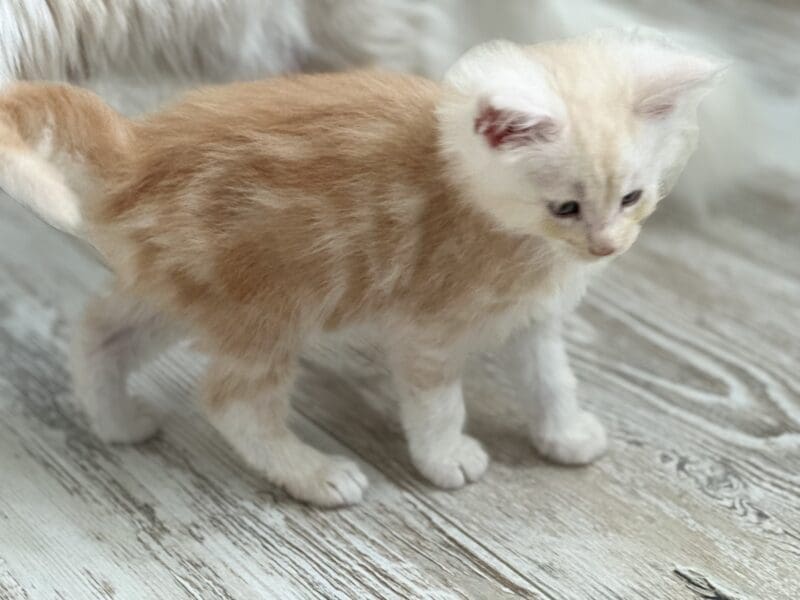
(137, 53)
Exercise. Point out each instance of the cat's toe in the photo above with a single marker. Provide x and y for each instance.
(582, 441)
(453, 465)
(140, 422)
(336, 482)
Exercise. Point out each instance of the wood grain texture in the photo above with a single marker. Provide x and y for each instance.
(688, 348)
(690, 364)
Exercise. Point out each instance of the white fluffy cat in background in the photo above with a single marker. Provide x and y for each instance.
(152, 48)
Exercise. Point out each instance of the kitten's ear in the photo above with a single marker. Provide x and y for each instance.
(514, 128)
(666, 80)
(508, 96)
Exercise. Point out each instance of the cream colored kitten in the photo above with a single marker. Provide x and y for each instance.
(440, 219)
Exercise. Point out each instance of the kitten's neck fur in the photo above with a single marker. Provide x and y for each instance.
(464, 235)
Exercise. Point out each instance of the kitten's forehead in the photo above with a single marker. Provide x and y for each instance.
(586, 71)
(602, 127)
(599, 161)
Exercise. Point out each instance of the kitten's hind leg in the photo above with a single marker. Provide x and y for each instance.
(118, 335)
(249, 405)
(432, 412)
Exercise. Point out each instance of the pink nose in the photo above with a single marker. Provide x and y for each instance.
(602, 250)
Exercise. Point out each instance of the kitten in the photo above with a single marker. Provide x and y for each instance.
(262, 217)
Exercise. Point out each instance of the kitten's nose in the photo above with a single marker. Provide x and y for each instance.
(602, 249)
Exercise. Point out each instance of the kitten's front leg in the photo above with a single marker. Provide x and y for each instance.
(560, 429)
(433, 415)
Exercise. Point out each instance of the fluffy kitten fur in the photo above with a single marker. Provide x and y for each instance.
(260, 218)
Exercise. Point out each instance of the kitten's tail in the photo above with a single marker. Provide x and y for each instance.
(59, 147)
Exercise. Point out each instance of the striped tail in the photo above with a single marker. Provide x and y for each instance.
(59, 147)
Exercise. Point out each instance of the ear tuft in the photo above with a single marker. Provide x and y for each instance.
(509, 94)
(509, 128)
(667, 77)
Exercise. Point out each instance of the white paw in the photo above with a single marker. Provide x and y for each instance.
(580, 442)
(452, 465)
(332, 481)
(138, 422)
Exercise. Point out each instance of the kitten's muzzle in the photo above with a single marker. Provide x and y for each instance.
(602, 249)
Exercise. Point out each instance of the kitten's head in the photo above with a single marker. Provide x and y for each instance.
(575, 141)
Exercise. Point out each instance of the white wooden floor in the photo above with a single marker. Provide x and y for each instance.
(688, 349)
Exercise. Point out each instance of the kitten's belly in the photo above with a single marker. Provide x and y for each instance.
(488, 327)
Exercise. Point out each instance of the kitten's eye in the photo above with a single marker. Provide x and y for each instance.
(565, 209)
(631, 198)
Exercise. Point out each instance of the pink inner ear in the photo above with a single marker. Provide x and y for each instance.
(657, 106)
(511, 128)
(662, 94)
(656, 109)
